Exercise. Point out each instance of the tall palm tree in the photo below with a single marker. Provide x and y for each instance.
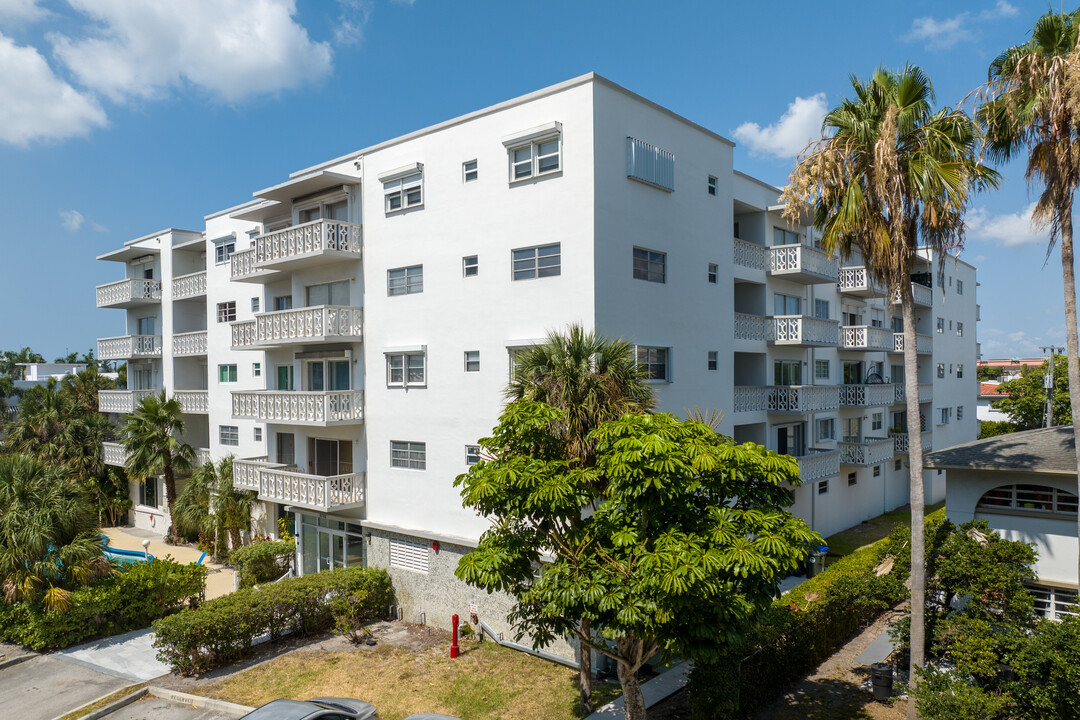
(1032, 99)
(888, 176)
(151, 439)
(594, 379)
(232, 507)
(49, 540)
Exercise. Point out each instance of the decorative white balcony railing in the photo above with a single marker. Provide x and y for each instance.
(923, 343)
(130, 291)
(866, 337)
(803, 398)
(189, 286)
(901, 442)
(867, 395)
(122, 401)
(750, 398)
(129, 346)
(282, 484)
(817, 465)
(333, 407)
(921, 294)
(870, 451)
(802, 263)
(310, 324)
(856, 280)
(191, 343)
(244, 334)
(193, 402)
(899, 393)
(750, 327)
(750, 255)
(113, 454)
(803, 330)
(202, 456)
(242, 266)
(316, 237)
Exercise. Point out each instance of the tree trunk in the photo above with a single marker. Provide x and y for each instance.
(633, 700)
(585, 672)
(234, 536)
(917, 499)
(170, 491)
(1072, 347)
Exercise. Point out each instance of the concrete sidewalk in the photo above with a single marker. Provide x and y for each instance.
(658, 689)
(130, 656)
(219, 581)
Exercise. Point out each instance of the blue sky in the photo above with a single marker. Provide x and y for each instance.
(122, 117)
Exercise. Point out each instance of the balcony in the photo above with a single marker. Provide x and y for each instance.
(803, 331)
(924, 344)
(901, 442)
(129, 293)
(322, 323)
(193, 402)
(866, 337)
(795, 399)
(818, 464)
(313, 243)
(127, 347)
(189, 344)
(189, 286)
(288, 407)
(122, 401)
(242, 267)
(860, 396)
(802, 264)
(866, 452)
(857, 281)
(749, 255)
(922, 295)
(115, 455)
(750, 327)
(283, 484)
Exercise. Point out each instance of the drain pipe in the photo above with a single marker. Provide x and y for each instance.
(543, 654)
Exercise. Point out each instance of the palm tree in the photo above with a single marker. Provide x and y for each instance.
(1032, 99)
(890, 175)
(191, 513)
(49, 540)
(232, 507)
(594, 379)
(151, 439)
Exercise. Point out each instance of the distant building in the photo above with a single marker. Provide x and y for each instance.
(28, 375)
(1011, 368)
(988, 393)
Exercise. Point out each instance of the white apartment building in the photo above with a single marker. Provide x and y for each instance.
(354, 327)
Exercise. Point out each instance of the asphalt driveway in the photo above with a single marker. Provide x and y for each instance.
(46, 687)
(152, 708)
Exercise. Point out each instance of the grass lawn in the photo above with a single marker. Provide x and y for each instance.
(485, 682)
(850, 540)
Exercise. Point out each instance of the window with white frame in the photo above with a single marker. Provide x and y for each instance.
(852, 478)
(877, 421)
(877, 471)
(711, 187)
(941, 370)
(825, 429)
(409, 555)
(784, 237)
(469, 171)
(228, 434)
(223, 250)
(821, 309)
(404, 193)
(944, 415)
(470, 266)
(408, 455)
(226, 311)
(256, 369)
(535, 156)
(653, 362)
(960, 370)
(1026, 498)
(649, 265)
(405, 281)
(331, 293)
(258, 434)
(254, 304)
(537, 262)
(959, 329)
(821, 369)
(148, 493)
(714, 272)
(406, 369)
(787, 304)
(472, 361)
(226, 373)
(959, 287)
(823, 486)
(713, 359)
(1053, 603)
(959, 412)
(941, 325)
(472, 454)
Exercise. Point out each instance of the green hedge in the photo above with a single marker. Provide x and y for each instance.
(262, 562)
(126, 600)
(224, 629)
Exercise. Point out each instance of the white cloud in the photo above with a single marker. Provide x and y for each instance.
(800, 124)
(232, 49)
(943, 34)
(37, 105)
(71, 220)
(352, 21)
(20, 11)
(1001, 10)
(1008, 229)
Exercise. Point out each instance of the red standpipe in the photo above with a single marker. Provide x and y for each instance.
(454, 651)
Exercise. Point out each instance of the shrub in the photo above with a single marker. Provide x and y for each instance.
(123, 601)
(262, 562)
(224, 629)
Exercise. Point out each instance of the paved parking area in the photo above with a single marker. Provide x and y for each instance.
(45, 687)
(152, 708)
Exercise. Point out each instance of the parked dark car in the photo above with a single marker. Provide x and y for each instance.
(314, 709)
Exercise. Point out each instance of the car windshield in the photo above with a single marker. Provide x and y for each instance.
(282, 710)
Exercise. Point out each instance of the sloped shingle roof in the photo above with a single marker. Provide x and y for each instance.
(1046, 450)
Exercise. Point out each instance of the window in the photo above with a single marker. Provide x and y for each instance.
(714, 272)
(960, 370)
(821, 369)
(254, 304)
(1053, 603)
(223, 250)
(941, 370)
(146, 325)
(283, 302)
(537, 262)
(959, 287)
(821, 309)
(898, 465)
(405, 370)
(539, 157)
(945, 415)
(408, 455)
(469, 170)
(409, 555)
(284, 377)
(822, 487)
(258, 434)
(470, 266)
(877, 421)
(405, 281)
(787, 372)
(786, 305)
(650, 165)
(877, 471)
(325, 210)
(228, 435)
(712, 360)
(950, 368)
(784, 237)
(226, 373)
(148, 492)
(333, 293)
(653, 362)
(404, 193)
(852, 478)
(826, 429)
(256, 369)
(711, 187)
(226, 311)
(959, 412)
(1029, 498)
(941, 325)
(959, 329)
(649, 265)
(472, 361)
(472, 454)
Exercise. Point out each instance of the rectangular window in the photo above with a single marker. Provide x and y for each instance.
(714, 272)
(877, 421)
(821, 309)
(226, 373)
(409, 555)
(787, 372)
(334, 293)
(650, 164)
(223, 250)
(226, 311)
(537, 262)
(284, 377)
(470, 266)
(469, 170)
(649, 265)
(898, 465)
(405, 281)
(821, 369)
(712, 360)
(472, 361)
(408, 455)
(877, 471)
(404, 193)
(786, 305)
(653, 362)
(256, 369)
(146, 325)
(148, 492)
(826, 429)
(472, 454)
(540, 157)
(941, 370)
(254, 304)
(822, 487)
(945, 415)
(258, 434)
(852, 478)
(784, 237)
(959, 412)
(405, 370)
(712, 185)
(960, 371)
(228, 434)
(941, 325)
(283, 302)
(959, 329)
(1053, 602)
(959, 287)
